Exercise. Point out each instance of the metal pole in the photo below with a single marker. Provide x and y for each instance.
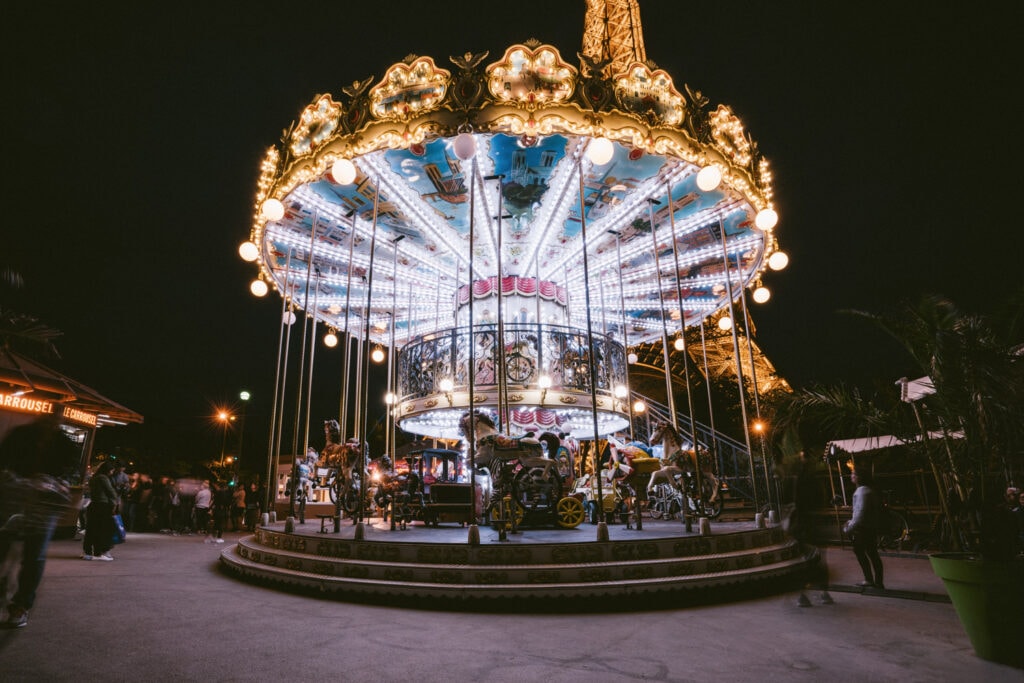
(664, 324)
(686, 358)
(602, 525)
(364, 436)
(753, 381)
(302, 365)
(270, 494)
(739, 367)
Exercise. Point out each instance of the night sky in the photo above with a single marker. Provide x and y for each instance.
(133, 135)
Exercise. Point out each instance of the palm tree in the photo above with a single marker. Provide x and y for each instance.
(974, 366)
(20, 331)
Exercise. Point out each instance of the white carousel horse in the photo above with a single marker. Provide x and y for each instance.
(679, 461)
(493, 450)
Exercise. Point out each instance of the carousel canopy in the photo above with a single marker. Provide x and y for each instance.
(431, 179)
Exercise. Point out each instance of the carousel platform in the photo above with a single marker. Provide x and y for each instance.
(426, 566)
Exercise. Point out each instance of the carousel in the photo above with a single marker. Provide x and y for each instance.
(508, 227)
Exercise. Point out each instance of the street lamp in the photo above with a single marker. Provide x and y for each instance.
(225, 417)
(244, 395)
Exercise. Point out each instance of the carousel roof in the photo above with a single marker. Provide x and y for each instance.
(387, 201)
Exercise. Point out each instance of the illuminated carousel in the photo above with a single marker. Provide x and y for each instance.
(509, 228)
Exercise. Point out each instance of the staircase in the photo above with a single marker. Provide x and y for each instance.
(437, 567)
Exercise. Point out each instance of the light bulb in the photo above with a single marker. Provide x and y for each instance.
(464, 146)
(762, 294)
(725, 323)
(679, 344)
(248, 251)
(258, 288)
(621, 391)
(447, 385)
(273, 209)
(600, 151)
(708, 178)
(288, 318)
(343, 171)
(330, 340)
(778, 260)
(544, 382)
(377, 355)
(632, 358)
(639, 407)
(766, 219)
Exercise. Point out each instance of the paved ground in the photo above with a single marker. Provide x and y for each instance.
(163, 611)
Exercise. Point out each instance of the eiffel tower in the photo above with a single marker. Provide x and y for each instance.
(613, 33)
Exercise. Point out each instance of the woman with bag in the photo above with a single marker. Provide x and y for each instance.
(99, 528)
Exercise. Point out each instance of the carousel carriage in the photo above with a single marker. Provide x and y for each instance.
(526, 485)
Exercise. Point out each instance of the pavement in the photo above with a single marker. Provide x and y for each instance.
(165, 611)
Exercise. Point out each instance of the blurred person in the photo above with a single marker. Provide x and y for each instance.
(99, 525)
(238, 507)
(863, 528)
(35, 460)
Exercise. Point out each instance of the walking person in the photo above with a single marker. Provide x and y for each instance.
(863, 528)
(99, 526)
(34, 460)
(253, 505)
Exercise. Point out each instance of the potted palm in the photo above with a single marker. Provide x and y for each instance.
(965, 414)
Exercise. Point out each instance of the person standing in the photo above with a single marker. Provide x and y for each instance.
(222, 503)
(253, 504)
(99, 526)
(863, 528)
(204, 499)
(36, 457)
(238, 507)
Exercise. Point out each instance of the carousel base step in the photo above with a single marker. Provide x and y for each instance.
(645, 573)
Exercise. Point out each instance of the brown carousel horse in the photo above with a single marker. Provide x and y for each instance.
(340, 460)
(679, 461)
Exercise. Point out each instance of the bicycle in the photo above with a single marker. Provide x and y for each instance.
(893, 530)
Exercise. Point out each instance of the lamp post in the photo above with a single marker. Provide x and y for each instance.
(225, 417)
(244, 396)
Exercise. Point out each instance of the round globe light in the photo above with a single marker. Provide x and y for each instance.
(762, 294)
(447, 385)
(621, 391)
(725, 323)
(464, 146)
(389, 398)
(273, 209)
(343, 171)
(639, 407)
(709, 178)
(544, 381)
(632, 358)
(778, 260)
(377, 355)
(679, 344)
(248, 251)
(244, 395)
(330, 340)
(288, 318)
(600, 151)
(258, 288)
(766, 219)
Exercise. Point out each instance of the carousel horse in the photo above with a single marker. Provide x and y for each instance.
(560, 454)
(305, 469)
(503, 455)
(339, 459)
(679, 461)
